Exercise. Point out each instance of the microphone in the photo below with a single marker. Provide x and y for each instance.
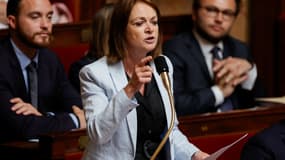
(162, 69)
(160, 64)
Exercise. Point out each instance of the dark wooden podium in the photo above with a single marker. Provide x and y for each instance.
(61, 145)
(54, 146)
(245, 120)
(212, 131)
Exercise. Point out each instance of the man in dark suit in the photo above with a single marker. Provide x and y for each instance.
(55, 104)
(212, 70)
(268, 144)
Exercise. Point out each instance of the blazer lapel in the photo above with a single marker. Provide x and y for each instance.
(118, 75)
(163, 92)
(16, 74)
(120, 80)
(196, 53)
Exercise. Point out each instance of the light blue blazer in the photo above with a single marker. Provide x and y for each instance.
(112, 118)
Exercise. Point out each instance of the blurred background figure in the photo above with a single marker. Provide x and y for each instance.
(268, 144)
(213, 71)
(61, 13)
(98, 46)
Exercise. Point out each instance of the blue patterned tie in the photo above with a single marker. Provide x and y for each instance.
(227, 105)
(33, 83)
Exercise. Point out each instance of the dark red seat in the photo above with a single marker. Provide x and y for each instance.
(70, 54)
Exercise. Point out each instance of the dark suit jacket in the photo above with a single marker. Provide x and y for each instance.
(269, 144)
(192, 81)
(55, 94)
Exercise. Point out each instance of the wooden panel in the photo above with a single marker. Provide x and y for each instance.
(54, 146)
(172, 25)
(263, 41)
(76, 33)
(89, 8)
(69, 34)
(58, 145)
(281, 51)
(198, 127)
(66, 34)
(247, 120)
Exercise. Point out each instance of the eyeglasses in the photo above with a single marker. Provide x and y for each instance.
(214, 12)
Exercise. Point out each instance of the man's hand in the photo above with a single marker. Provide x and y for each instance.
(80, 114)
(232, 69)
(226, 82)
(229, 73)
(141, 75)
(226, 88)
(20, 107)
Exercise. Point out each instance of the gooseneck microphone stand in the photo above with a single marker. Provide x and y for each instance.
(165, 78)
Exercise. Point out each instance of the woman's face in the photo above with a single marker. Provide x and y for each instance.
(142, 29)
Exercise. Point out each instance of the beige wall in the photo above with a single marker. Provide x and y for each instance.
(3, 11)
(241, 27)
(174, 7)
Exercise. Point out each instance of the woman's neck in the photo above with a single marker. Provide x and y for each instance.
(131, 60)
(129, 66)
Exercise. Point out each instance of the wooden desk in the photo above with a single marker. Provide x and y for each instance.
(246, 120)
(57, 146)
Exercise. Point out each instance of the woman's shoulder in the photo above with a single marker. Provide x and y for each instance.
(97, 66)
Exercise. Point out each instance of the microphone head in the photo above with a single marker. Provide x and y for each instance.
(160, 64)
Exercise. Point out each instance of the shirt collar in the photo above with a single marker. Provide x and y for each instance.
(207, 46)
(23, 58)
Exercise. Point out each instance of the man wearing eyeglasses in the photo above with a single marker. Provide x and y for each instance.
(212, 70)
